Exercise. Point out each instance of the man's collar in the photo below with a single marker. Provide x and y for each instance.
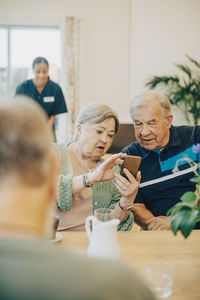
(145, 152)
(174, 141)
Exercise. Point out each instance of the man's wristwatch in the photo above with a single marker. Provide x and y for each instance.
(124, 208)
(86, 181)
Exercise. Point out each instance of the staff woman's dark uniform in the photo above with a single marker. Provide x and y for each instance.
(44, 91)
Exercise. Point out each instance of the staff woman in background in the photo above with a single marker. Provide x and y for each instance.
(44, 91)
(86, 181)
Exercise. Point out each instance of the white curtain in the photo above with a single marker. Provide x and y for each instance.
(71, 67)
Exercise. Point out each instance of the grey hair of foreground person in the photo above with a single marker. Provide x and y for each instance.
(94, 113)
(25, 141)
(141, 101)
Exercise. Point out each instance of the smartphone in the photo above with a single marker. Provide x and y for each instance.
(131, 163)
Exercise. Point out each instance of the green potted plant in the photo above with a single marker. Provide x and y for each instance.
(183, 91)
(186, 214)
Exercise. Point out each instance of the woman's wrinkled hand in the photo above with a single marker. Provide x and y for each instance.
(105, 170)
(128, 188)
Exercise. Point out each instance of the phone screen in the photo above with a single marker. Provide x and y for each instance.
(131, 163)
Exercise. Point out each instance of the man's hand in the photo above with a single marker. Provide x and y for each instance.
(128, 188)
(157, 223)
(145, 219)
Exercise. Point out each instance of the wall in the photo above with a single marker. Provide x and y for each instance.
(105, 42)
(162, 32)
(124, 42)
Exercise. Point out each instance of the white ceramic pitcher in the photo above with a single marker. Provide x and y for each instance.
(103, 238)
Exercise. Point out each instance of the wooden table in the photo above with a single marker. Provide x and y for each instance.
(137, 248)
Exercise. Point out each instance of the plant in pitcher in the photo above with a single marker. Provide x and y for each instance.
(186, 214)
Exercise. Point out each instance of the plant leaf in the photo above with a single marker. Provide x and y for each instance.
(195, 62)
(185, 69)
(174, 209)
(195, 179)
(188, 221)
(198, 219)
(198, 205)
(170, 211)
(155, 80)
(188, 197)
(176, 222)
(183, 91)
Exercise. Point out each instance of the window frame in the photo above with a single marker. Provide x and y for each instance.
(11, 27)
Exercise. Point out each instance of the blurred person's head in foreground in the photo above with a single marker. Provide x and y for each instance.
(31, 267)
(28, 168)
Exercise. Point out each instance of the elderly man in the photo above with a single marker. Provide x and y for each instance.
(160, 145)
(32, 268)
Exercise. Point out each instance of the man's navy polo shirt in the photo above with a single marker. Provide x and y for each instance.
(51, 97)
(160, 188)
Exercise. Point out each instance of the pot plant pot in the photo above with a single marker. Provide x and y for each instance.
(183, 91)
(185, 215)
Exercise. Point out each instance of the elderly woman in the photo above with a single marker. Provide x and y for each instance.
(86, 180)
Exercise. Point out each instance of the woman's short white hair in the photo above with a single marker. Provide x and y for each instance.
(94, 113)
(142, 100)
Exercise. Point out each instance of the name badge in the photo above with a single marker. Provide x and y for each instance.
(49, 99)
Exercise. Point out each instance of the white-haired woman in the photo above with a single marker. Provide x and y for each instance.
(86, 180)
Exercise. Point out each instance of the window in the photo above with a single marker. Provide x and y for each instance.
(19, 46)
